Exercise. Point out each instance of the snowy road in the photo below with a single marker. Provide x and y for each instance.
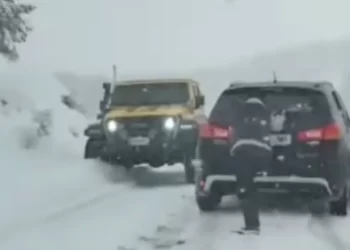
(156, 210)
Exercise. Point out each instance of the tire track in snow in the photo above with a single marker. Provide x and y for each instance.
(322, 227)
(118, 180)
(169, 234)
(213, 227)
(188, 229)
(191, 229)
(102, 200)
(52, 215)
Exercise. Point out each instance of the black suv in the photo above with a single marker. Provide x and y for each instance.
(310, 138)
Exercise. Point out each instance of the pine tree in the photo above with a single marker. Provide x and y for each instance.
(14, 28)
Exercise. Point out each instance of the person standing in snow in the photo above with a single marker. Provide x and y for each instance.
(251, 153)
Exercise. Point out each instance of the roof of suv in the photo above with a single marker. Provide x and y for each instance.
(155, 81)
(317, 85)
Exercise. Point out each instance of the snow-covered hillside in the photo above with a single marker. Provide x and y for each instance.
(39, 173)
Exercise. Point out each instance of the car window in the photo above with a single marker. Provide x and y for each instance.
(224, 111)
(311, 106)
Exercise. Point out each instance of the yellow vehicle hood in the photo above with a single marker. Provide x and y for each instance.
(142, 111)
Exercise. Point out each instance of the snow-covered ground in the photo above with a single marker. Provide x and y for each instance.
(50, 198)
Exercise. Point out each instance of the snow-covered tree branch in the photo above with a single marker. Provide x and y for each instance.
(13, 27)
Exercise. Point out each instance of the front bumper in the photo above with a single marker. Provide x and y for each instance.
(317, 187)
(162, 147)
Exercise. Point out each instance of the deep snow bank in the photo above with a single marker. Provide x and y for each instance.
(87, 90)
(50, 172)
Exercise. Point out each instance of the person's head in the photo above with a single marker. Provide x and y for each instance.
(254, 107)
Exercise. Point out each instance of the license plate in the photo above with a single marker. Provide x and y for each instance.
(280, 140)
(139, 141)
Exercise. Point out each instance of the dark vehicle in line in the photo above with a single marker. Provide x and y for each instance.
(310, 140)
(151, 122)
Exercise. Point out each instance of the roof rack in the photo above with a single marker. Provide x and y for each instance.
(235, 84)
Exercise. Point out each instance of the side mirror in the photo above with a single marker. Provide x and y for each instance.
(107, 91)
(102, 106)
(200, 101)
(107, 87)
(106, 95)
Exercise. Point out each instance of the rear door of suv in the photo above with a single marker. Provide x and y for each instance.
(306, 134)
(301, 124)
(298, 146)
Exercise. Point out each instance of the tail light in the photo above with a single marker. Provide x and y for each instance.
(202, 184)
(329, 132)
(210, 131)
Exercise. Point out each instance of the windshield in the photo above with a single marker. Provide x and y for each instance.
(150, 94)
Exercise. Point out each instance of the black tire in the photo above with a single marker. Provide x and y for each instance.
(91, 150)
(318, 208)
(340, 207)
(189, 170)
(128, 166)
(208, 203)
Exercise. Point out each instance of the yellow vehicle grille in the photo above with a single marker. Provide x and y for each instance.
(142, 126)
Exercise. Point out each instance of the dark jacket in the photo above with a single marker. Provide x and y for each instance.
(250, 149)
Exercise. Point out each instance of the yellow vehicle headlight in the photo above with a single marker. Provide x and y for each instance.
(112, 126)
(169, 123)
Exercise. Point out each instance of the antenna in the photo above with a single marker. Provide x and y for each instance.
(274, 77)
(114, 80)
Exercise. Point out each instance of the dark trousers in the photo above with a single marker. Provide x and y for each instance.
(250, 207)
(247, 167)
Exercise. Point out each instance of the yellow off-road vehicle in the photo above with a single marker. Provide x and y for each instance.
(148, 121)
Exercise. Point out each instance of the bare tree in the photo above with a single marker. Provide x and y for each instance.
(14, 28)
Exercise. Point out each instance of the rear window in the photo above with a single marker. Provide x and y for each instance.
(312, 104)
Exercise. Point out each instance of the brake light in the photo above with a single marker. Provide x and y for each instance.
(329, 132)
(210, 131)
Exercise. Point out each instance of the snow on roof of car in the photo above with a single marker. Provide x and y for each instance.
(155, 81)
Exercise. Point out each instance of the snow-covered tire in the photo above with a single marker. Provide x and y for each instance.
(340, 207)
(318, 208)
(128, 167)
(91, 151)
(189, 170)
(208, 203)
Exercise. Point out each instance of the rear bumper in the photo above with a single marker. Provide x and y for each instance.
(318, 187)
